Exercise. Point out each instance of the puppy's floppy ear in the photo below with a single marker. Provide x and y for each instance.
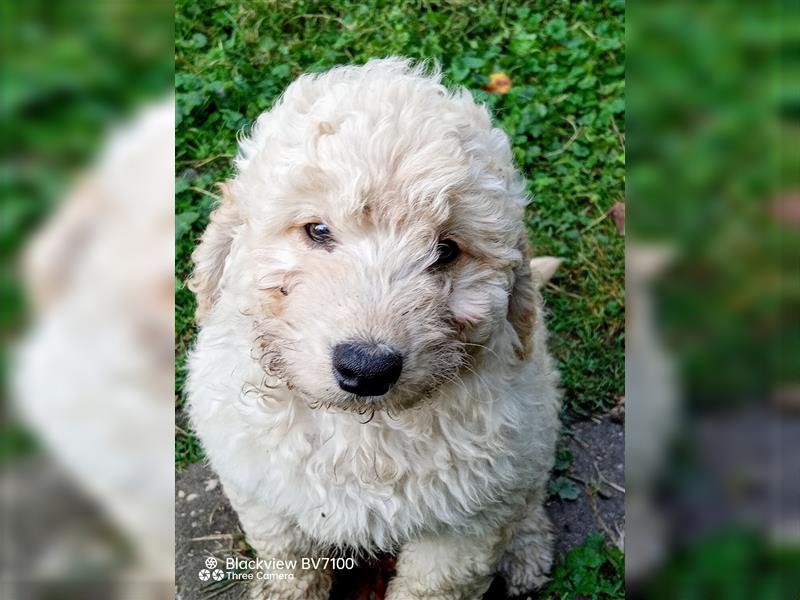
(543, 268)
(522, 303)
(209, 256)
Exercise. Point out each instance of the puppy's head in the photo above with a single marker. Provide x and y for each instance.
(373, 236)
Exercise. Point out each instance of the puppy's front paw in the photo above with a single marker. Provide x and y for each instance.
(528, 560)
(400, 589)
(305, 586)
(407, 595)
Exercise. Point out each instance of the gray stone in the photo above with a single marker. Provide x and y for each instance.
(599, 469)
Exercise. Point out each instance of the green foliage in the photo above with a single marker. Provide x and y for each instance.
(15, 441)
(563, 488)
(593, 570)
(734, 564)
(713, 114)
(70, 71)
(560, 485)
(564, 115)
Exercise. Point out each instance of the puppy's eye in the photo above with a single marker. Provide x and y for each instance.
(319, 233)
(447, 251)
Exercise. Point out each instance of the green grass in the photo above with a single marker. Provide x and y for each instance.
(564, 114)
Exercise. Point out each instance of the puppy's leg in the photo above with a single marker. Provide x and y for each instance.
(529, 557)
(275, 537)
(447, 567)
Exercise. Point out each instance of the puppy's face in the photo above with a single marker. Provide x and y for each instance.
(377, 263)
(378, 305)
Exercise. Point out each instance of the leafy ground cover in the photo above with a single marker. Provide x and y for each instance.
(564, 113)
(595, 569)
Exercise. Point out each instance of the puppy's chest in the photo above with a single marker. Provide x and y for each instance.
(375, 488)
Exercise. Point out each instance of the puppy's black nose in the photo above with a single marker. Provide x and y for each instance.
(366, 369)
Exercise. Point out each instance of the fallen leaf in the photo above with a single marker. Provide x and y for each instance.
(617, 413)
(499, 83)
(787, 398)
(617, 214)
(786, 209)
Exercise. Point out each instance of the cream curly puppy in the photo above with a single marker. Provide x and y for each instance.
(371, 371)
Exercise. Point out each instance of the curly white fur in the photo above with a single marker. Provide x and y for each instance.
(453, 461)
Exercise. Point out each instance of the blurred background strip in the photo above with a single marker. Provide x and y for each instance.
(713, 284)
(87, 281)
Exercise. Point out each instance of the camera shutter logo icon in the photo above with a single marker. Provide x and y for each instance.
(211, 571)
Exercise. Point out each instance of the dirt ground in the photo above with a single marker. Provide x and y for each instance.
(206, 526)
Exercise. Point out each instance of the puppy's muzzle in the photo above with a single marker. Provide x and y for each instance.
(366, 369)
